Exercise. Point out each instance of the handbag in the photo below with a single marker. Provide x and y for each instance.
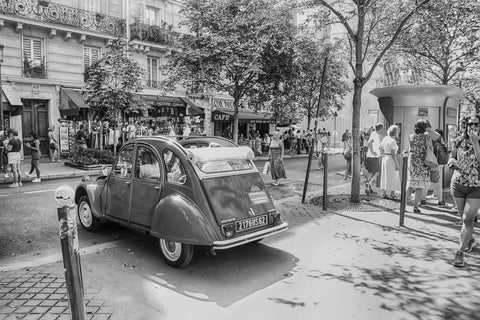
(430, 159)
(266, 168)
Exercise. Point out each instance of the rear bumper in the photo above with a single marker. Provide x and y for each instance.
(235, 242)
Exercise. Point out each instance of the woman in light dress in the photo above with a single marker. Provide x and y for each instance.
(390, 179)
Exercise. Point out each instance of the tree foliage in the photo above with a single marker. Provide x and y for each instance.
(112, 83)
(309, 63)
(241, 47)
(443, 41)
(371, 28)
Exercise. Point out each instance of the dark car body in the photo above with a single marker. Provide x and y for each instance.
(197, 191)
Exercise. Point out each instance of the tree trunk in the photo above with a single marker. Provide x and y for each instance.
(235, 120)
(101, 136)
(357, 103)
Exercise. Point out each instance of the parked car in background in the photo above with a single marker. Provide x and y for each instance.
(199, 191)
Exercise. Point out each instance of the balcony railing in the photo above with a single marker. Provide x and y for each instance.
(156, 34)
(65, 15)
(34, 69)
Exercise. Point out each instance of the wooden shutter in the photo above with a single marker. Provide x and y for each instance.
(33, 49)
(86, 57)
(90, 55)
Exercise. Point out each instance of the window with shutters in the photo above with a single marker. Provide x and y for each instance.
(33, 57)
(152, 72)
(90, 55)
(151, 16)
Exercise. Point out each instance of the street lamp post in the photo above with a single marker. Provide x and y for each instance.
(2, 121)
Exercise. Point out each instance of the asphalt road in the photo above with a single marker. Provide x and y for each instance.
(29, 223)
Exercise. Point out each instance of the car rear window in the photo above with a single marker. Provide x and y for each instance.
(224, 165)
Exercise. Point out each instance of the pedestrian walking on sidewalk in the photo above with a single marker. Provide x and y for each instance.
(418, 170)
(347, 154)
(53, 144)
(465, 185)
(372, 163)
(35, 148)
(275, 155)
(14, 148)
(390, 178)
(436, 173)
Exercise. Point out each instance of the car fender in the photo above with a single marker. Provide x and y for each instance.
(93, 191)
(178, 219)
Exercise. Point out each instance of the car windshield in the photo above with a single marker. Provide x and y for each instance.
(206, 142)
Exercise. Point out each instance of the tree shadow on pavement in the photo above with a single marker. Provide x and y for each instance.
(415, 278)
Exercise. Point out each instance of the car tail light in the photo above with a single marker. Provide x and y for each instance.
(229, 230)
(274, 218)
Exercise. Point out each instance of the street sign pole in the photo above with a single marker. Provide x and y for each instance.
(403, 190)
(310, 155)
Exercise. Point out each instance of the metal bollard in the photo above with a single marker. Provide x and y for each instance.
(64, 197)
(403, 188)
(325, 180)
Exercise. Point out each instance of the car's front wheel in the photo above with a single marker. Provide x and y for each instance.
(175, 254)
(88, 221)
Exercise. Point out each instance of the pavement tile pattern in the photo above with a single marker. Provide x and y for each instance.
(40, 294)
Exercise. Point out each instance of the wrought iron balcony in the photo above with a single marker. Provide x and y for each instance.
(34, 69)
(46, 11)
(156, 34)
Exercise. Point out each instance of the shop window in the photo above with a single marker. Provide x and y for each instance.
(147, 166)
(174, 168)
(90, 55)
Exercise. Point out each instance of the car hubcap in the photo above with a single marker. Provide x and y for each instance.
(85, 214)
(171, 249)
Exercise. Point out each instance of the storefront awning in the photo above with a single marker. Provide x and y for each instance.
(71, 102)
(192, 108)
(12, 96)
(164, 101)
(226, 115)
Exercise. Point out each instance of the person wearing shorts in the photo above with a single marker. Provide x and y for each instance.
(14, 148)
(465, 185)
(372, 164)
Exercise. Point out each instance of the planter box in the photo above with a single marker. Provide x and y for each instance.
(86, 167)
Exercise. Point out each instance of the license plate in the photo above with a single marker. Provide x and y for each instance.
(251, 223)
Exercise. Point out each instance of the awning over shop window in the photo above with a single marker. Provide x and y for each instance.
(193, 109)
(226, 115)
(71, 102)
(12, 97)
(164, 101)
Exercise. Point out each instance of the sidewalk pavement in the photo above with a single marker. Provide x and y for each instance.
(339, 264)
(58, 170)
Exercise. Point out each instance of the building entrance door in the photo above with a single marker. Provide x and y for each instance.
(35, 118)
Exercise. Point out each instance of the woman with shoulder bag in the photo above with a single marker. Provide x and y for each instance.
(465, 184)
(276, 152)
(436, 173)
(35, 148)
(390, 178)
(418, 163)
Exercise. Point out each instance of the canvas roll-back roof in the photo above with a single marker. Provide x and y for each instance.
(220, 153)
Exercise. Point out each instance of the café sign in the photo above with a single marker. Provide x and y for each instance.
(218, 116)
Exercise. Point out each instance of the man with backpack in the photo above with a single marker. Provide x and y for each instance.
(436, 174)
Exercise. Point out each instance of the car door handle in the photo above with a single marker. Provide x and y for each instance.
(127, 182)
(157, 187)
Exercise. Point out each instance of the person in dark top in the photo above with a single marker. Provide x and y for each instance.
(81, 137)
(14, 148)
(35, 148)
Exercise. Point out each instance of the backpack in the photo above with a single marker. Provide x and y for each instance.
(441, 152)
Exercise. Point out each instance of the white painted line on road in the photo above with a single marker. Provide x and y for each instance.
(27, 192)
(29, 262)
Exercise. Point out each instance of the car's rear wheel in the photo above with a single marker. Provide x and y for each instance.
(175, 254)
(88, 221)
